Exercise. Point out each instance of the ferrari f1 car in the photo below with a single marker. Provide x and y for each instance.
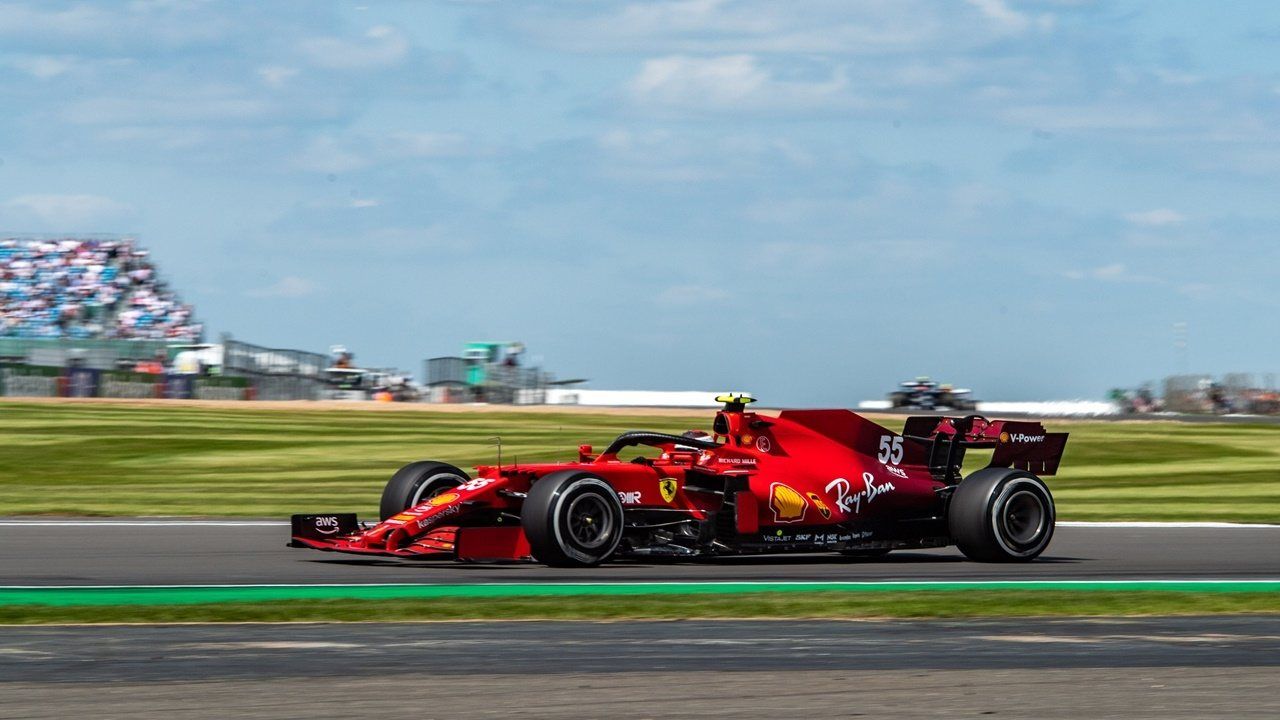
(802, 481)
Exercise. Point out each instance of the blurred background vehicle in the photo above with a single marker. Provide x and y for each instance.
(926, 394)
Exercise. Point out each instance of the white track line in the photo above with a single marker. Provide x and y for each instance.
(676, 583)
(141, 522)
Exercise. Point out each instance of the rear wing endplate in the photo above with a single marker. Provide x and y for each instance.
(1021, 444)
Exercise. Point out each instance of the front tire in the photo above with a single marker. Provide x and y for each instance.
(417, 482)
(1002, 515)
(572, 519)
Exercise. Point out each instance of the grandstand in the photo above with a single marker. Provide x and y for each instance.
(87, 288)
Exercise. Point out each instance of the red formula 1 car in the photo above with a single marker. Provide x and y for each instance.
(803, 481)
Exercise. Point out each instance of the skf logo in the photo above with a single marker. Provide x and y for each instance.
(667, 486)
(443, 499)
(822, 507)
(787, 504)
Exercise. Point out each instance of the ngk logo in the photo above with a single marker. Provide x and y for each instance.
(1021, 438)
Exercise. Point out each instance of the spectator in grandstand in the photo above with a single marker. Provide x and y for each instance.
(87, 288)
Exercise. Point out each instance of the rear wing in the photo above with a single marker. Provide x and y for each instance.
(1021, 444)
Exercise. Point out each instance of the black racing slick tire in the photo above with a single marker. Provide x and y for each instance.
(1001, 515)
(416, 482)
(572, 519)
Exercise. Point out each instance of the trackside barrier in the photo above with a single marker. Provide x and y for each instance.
(92, 353)
(28, 381)
(83, 382)
(131, 386)
(221, 388)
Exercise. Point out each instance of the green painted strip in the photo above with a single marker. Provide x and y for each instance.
(195, 594)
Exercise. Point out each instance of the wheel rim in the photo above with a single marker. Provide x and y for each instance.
(590, 522)
(432, 488)
(1023, 519)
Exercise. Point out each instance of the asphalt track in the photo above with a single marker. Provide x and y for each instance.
(84, 552)
(1168, 668)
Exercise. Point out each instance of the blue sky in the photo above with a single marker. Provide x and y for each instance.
(809, 200)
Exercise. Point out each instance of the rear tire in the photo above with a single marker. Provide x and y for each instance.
(1001, 515)
(572, 519)
(417, 482)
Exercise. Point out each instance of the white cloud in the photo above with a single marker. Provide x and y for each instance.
(1159, 217)
(727, 82)
(1005, 17)
(720, 26)
(365, 203)
(83, 213)
(44, 67)
(290, 286)
(276, 75)
(381, 46)
(1113, 272)
(678, 79)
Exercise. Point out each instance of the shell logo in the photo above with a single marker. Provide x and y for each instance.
(787, 504)
(1004, 437)
(443, 499)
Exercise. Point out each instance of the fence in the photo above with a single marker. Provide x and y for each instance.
(275, 374)
(103, 368)
(455, 379)
(63, 352)
(82, 382)
(24, 381)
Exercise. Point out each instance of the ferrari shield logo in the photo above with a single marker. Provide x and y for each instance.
(787, 504)
(667, 486)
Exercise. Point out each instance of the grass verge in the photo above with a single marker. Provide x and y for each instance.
(766, 605)
(128, 459)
